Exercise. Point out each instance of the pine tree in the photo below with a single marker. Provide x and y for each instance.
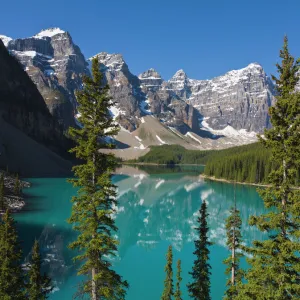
(39, 286)
(2, 201)
(234, 240)
(275, 263)
(199, 288)
(11, 275)
(178, 294)
(17, 185)
(93, 208)
(168, 283)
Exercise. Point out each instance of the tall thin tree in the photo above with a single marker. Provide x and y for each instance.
(93, 207)
(178, 293)
(17, 187)
(199, 288)
(234, 244)
(275, 263)
(168, 291)
(12, 286)
(39, 285)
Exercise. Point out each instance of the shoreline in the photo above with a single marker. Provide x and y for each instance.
(157, 164)
(212, 178)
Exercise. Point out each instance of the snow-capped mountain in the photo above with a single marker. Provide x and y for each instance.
(239, 98)
(55, 64)
(233, 105)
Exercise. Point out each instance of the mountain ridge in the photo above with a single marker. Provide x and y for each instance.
(234, 103)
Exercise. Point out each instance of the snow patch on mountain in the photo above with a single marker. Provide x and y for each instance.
(229, 131)
(115, 111)
(5, 39)
(190, 134)
(50, 32)
(160, 140)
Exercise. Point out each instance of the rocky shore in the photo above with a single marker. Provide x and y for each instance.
(13, 200)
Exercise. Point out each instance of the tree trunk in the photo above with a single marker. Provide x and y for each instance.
(94, 288)
(233, 259)
(283, 201)
(94, 285)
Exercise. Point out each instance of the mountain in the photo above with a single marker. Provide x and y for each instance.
(56, 65)
(31, 140)
(239, 99)
(221, 112)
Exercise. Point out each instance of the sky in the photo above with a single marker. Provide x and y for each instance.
(204, 38)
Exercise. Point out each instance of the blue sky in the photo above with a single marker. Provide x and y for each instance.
(205, 38)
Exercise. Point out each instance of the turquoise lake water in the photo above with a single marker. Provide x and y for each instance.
(156, 208)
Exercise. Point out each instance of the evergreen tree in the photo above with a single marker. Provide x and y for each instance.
(275, 263)
(17, 188)
(234, 239)
(168, 283)
(199, 288)
(178, 294)
(11, 275)
(39, 286)
(2, 202)
(93, 207)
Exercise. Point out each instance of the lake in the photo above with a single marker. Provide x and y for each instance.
(157, 207)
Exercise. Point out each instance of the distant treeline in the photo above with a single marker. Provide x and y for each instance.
(249, 163)
(174, 154)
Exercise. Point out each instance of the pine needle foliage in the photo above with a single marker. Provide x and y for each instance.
(168, 291)
(199, 288)
(93, 207)
(178, 293)
(275, 263)
(39, 285)
(12, 285)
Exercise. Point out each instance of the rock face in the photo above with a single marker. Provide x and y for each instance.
(147, 94)
(239, 98)
(170, 107)
(56, 65)
(124, 89)
(25, 121)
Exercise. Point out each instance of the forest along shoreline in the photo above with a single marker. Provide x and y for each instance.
(212, 178)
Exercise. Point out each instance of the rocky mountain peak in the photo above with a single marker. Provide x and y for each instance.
(150, 80)
(179, 81)
(50, 32)
(5, 39)
(179, 75)
(113, 61)
(56, 65)
(150, 74)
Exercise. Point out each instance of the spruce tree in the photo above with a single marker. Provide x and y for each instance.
(39, 285)
(2, 201)
(199, 288)
(234, 240)
(275, 263)
(168, 291)
(12, 286)
(178, 294)
(17, 188)
(93, 207)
